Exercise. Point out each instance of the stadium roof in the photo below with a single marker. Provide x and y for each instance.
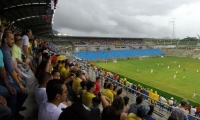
(36, 15)
(94, 37)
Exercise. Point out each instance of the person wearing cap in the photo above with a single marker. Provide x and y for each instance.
(171, 102)
(84, 75)
(16, 51)
(180, 112)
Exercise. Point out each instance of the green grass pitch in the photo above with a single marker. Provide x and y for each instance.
(162, 78)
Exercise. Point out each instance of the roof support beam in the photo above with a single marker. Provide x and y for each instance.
(34, 25)
(23, 6)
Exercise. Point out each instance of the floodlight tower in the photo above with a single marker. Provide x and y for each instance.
(173, 34)
(173, 28)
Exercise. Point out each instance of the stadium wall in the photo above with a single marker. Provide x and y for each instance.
(79, 48)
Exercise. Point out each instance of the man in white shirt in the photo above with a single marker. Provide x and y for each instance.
(26, 55)
(25, 43)
(40, 90)
(194, 95)
(180, 112)
(56, 94)
(162, 102)
(193, 111)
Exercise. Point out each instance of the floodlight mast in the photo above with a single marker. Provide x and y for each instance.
(199, 37)
(173, 34)
(173, 29)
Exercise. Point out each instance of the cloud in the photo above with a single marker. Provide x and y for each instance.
(116, 18)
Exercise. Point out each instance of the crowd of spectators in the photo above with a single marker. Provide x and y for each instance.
(167, 104)
(18, 51)
(107, 42)
(65, 90)
(63, 86)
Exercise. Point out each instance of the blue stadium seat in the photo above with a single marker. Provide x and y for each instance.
(91, 55)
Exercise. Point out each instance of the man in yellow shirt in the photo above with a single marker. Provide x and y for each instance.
(61, 65)
(88, 94)
(108, 92)
(65, 72)
(76, 86)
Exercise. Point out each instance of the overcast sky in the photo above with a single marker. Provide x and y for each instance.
(128, 18)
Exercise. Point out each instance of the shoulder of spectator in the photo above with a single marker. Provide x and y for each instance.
(123, 116)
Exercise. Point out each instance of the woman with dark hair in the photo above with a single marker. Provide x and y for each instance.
(44, 66)
(172, 117)
(115, 111)
(126, 101)
(119, 92)
(150, 113)
(114, 91)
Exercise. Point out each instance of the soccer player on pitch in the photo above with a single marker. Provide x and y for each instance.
(194, 95)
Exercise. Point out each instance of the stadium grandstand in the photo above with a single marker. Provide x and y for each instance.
(45, 75)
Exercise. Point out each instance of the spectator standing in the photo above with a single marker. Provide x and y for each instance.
(55, 74)
(65, 71)
(180, 112)
(88, 94)
(25, 46)
(162, 102)
(142, 112)
(149, 116)
(98, 87)
(126, 101)
(119, 93)
(193, 110)
(83, 88)
(76, 86)
(108, 92)
(95, 110)
(134, 106)
(171, 102)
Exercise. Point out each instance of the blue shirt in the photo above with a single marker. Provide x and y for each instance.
(1, 59)
(7, 59)
(149, 118)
